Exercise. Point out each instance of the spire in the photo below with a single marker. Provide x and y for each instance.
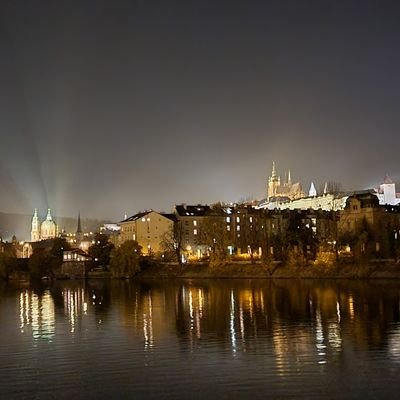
(79, 229)
(312, 192)
(79, 235)
(326, 188)
(49, 218)
(289, 178)
(35, 231)
(273, 175)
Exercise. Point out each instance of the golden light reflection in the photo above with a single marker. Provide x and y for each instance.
(37, 314)
(232, 323)
(148, 324)
(74, 305)
(394, 344)
(319, 339)
(193, 301)
(351, 307)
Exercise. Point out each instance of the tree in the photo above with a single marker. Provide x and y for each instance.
(101, 250)
(300, 240)
(56, 253)
(216, 236)
(40, 263)
(359, 239)
(252, 236)
(125, 260)
(7, 256)
(172, 242)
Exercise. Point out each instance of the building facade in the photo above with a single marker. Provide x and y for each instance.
(189, 228)
(149, 229)
(278, 190)
(48, 229)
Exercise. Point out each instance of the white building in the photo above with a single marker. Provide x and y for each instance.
(387, 192)
(325, 202)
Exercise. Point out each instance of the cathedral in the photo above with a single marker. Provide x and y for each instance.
(278, 191)
(48, 229)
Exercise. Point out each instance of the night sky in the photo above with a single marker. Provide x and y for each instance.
(111, 106)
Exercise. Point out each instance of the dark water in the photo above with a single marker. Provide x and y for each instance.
(201, 339)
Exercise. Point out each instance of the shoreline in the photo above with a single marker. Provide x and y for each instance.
(259, 271)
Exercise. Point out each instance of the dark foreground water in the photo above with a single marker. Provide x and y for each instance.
(200, 339)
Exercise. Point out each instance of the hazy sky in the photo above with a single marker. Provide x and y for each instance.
(111, 106)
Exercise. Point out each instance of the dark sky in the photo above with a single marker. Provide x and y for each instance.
(111, 106)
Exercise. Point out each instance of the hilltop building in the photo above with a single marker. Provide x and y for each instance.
(386, 192)
(278, 191)
(48, 229)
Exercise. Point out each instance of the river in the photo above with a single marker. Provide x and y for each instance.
(200, 339)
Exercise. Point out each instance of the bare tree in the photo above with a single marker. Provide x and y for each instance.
(172, 242)
(215, 235)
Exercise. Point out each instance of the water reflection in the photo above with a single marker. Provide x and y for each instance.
(36, 312)
(118, 339)
(298, 322)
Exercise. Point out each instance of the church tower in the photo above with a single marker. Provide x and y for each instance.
(79, 233)
(388, 189)
(35, 231)
(274, 182)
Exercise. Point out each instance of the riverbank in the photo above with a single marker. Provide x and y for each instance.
(258, 271)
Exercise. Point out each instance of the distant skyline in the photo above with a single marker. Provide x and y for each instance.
(111, 107)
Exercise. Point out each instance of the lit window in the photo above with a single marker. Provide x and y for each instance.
(194, 231)
(195, 223)
(228, 228)
(143, 219)
(228, 219)
(251, 220)
(237, 219)
(238, 228)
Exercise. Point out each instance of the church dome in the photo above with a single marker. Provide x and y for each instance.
(48, 228)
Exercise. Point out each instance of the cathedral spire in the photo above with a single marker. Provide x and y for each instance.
(49, 217)
(289, 178)
(79, 228)
(273, 175)
(312, 192)
(79, 234)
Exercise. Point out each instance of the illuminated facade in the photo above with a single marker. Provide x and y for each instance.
(281, 191)
(48, 229)
(190, 218)
(386, 192)
(148, 229)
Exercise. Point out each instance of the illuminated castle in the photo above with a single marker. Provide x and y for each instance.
(46, 230)
(278, 191)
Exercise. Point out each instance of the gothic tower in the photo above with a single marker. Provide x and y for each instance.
(274, 182)
(79, 233)
(35, 231)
